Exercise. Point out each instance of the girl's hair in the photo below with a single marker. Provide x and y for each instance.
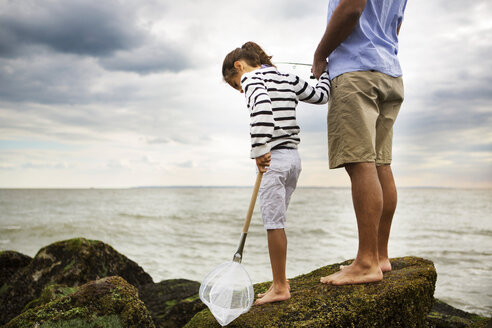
(250, 52)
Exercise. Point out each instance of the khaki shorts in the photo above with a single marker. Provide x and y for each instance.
(362, 110)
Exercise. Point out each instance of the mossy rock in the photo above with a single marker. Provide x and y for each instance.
(10, 263)
(172, 303)
(402, 299)
(445, 316)
(71, 263)
(49, 294)
(110, 302)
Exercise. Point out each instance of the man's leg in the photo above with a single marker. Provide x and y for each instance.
(367, 197)
(387, 182)
(277, 247)
(389, 205)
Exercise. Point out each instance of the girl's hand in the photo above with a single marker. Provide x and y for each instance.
(263, 162)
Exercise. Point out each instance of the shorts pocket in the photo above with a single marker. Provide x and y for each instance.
(279, 166)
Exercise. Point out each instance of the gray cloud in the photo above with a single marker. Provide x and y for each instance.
(466, 107)
(110, 31)
(458, 102)
(61, 79)
(47, 78)
(178, 140)
(186, 164)
(447, 72)
(290, 9)
(150, 59)
(96, 28)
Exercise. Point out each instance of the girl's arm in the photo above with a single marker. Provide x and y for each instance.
(314, 95)
(260, 107)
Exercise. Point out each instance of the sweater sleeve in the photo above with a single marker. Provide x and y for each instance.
(314, 95)
(260, 109)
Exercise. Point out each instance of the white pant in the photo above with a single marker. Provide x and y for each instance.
(277, 185)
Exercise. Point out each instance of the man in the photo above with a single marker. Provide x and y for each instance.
(361, 45)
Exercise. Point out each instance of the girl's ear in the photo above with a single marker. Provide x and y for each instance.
(238, 65)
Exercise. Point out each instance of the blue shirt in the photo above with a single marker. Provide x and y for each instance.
(373, 45)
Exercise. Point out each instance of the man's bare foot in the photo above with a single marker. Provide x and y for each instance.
(385, 265)
(343, 267)
(274, 295)
(354, 274)
(260, 295)
(328, 279)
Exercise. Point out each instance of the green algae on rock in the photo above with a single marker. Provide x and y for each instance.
(107, 302)
(71, 263)
(49, 294)
(172, 303)
(402, 299)
(445, 316)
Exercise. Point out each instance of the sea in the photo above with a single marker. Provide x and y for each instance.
(185, 232)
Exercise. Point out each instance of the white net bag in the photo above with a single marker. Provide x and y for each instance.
(228, 292)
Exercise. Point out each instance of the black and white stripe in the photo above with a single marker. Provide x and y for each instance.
(272, 98)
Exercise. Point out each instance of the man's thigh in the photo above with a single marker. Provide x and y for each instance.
(362, 110)
(392, 98)
(352, 116)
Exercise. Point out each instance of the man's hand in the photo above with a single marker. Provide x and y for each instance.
(263, 162)
(319, 66)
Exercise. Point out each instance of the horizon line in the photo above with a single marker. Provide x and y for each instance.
(225, 187)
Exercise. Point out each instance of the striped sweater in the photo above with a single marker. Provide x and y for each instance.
(272, 98)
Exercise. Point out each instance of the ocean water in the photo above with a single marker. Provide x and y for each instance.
(186, 232)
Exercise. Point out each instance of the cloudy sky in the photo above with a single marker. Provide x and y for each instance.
(129, 93)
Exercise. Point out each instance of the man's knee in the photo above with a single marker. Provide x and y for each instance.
(385, 173)
(356, 168)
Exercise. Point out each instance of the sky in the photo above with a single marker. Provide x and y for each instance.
(112, 94)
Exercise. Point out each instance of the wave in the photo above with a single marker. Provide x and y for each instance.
(10, 228)
(140, 216)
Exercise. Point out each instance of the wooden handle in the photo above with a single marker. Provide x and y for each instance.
(252, 202)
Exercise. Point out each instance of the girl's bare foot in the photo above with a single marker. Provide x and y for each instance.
(274, 295)
(260, 295)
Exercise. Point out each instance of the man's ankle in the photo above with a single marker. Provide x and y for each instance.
(281, 287)
(366, 263)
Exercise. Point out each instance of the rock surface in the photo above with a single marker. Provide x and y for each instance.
(446, 316)
(107, 302)
(58, 269)
(71, 263)
(172, 302)
(10, 263)
(402, 299)
(45, 292)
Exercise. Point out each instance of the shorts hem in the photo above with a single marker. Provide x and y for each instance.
(382, 163)
(343, 163)
(274, 226)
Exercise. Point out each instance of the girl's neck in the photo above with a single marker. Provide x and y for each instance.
(248, 68)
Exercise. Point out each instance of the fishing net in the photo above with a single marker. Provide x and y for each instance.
(227, 291)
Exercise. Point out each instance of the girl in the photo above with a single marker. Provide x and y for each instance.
(271, 98)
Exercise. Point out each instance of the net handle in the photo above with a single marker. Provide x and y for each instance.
(252, 202)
